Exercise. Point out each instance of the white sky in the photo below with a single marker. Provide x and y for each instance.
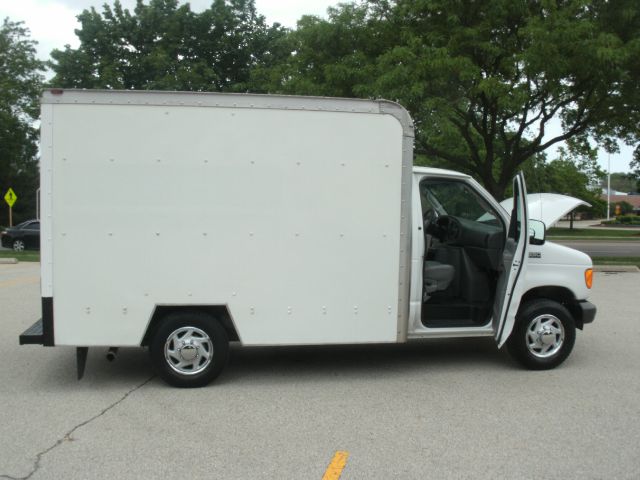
(52, 24)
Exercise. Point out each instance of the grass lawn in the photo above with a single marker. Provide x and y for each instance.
(616, 261)
(594, 233)
(28, 256)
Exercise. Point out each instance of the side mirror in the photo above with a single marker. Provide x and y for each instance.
(537, 232)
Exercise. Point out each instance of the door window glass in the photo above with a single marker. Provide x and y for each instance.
(458, 199)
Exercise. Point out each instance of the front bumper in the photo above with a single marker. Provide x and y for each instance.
(5, 241)
(588, 311)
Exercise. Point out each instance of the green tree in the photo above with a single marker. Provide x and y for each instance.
(333, 57)
(483, 79)
(576, 176)
(493, 74)
(620, 182)
(165, 46)
(20, 85)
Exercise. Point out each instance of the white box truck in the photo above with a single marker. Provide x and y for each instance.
(184, 221)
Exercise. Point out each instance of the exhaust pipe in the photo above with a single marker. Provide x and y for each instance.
(112, 353)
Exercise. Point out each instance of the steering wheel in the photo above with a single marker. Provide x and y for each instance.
(449, 227)
(429, 217)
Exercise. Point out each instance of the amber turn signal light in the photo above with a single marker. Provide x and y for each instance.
(588, 277)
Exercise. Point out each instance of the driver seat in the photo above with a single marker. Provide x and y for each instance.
(437, 277)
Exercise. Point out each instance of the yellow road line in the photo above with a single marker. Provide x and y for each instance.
(334, 470)
(20, 281)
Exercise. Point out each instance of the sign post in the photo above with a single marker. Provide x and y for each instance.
(10, 197)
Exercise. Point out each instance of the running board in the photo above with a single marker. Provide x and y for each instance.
(34, 335)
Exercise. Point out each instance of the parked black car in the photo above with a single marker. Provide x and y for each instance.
(22, 237)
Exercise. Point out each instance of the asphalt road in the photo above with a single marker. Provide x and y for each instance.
(437, 409)
(604, 248)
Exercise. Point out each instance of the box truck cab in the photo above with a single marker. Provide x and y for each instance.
(184, 221)
(477, 268)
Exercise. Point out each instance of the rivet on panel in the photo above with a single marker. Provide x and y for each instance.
(204, 234)
(252, 310)
(124, 310)
(87, 310)
(233, 294)
(324, 310)
(110, 234)
(251, 234)
(288, 310)
(157, 234)
(355, 310)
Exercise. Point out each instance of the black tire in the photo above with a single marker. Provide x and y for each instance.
(524, 340)
(203, 371)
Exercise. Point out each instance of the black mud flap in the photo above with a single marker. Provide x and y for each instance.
(81, 360)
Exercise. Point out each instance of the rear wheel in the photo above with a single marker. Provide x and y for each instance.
(544, 335)
(18, 245)
(189, 349)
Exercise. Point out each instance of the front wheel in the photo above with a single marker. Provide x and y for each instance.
(189, 349)
(544, 335)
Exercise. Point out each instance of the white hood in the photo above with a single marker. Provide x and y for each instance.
(547, 207)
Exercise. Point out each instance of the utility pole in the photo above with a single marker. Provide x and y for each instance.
(609, 187)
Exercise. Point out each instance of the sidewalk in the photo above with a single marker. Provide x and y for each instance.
(590, 224)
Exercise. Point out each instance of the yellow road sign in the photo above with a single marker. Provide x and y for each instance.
(10, 197)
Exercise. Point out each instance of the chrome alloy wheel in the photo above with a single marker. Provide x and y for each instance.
(18, 245)
(545, 336)
(188, 350)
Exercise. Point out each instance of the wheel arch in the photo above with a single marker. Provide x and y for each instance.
(562, 295)
(219, 312)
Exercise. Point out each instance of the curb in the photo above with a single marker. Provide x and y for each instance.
(8, 261)
(616, 268)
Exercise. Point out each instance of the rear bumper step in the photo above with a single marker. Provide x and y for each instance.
(34, 335)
